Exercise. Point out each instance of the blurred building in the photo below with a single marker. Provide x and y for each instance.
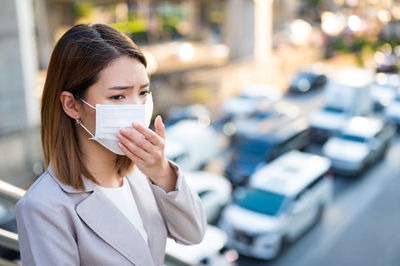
(19, 107)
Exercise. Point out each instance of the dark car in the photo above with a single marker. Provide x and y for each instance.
(252, 148)
(306, 81)
(386, 62)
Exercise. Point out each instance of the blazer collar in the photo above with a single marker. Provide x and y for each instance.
(102, 216)
(114, 228)
(153, 222)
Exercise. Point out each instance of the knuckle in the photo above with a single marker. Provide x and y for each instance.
(162, 144)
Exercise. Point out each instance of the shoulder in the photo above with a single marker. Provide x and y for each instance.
(44, 193)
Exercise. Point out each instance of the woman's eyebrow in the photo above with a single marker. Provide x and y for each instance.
(145, 85)
(128, 87)
(120, 88)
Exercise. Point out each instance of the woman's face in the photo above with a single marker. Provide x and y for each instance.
(124, 81)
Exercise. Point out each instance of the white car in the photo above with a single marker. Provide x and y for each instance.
(392, 112)
(214, 191)
(362, 142)
(252, 98)
(191, 144)
(384, 89)
(211, 251)
(283, 199)
(348, 94)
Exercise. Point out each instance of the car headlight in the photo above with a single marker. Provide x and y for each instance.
(268, 238)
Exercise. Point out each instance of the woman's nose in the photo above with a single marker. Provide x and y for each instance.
(137, 100)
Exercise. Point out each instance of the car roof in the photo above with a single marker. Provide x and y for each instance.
(353, 77)
(270, 130)
(202, 180)
(290, 173)
(363, 126)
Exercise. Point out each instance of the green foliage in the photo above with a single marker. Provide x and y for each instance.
(128, 27)
(82, 9)
(314, 2)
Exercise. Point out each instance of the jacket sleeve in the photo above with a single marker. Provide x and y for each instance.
(45, 237)
(182, 210)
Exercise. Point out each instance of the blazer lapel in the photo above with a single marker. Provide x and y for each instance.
(114, 228)
(152, 220)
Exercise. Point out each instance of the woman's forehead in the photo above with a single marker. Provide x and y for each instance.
(123, 71)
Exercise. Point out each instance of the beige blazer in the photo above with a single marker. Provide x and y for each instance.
(58, 225)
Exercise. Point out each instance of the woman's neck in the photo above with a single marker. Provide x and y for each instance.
(99, 161)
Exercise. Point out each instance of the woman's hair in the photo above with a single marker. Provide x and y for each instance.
(75, 64)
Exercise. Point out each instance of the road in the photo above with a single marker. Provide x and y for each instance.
(360, 228)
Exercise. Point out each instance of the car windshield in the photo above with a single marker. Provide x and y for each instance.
(333, 109)
(304, 75)
(353, 138)
(261, 201)
(252, 151)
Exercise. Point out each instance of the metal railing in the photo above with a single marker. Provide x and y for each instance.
(9, 195)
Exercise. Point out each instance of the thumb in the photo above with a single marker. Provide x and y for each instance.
(159, 125)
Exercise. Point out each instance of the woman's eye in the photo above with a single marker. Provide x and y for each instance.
(144, 93)
(117, 97)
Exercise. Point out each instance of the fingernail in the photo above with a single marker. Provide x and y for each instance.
(124, 130)
(119, 136)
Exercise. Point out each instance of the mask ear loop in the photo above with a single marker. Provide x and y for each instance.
(87, 103)
(78, 122)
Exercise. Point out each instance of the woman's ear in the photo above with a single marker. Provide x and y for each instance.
(70, 105)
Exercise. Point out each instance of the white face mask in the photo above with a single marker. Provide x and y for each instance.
(110, 118)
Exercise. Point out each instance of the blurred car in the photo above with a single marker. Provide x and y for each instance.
(392, 111)
(363, 141)
(283, 199)
(191, 112)
(346, 95)
(386, 62)
(252, 98)
(306, 81)
(214, 191)
(191, 144)
(384, 89)
(211, 251)
(262, 139)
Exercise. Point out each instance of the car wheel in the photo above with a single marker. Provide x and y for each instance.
(320, 214)
(282, 246)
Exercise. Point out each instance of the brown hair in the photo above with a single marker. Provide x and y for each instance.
(75, 64)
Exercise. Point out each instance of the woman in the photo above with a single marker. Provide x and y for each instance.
(109, 196)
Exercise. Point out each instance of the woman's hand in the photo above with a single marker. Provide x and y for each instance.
(146, 149)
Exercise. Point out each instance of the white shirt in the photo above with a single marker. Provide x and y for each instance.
(122, 197)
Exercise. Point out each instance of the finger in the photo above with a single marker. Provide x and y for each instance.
(134, 149)
(160, 128)
(149, 134)
(130, 155)
(137, 138)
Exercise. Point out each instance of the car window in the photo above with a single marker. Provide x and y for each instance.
(204, 193)
(353, 138)
(252, 151)
(333, 109)
(261, 201)
(315, 182)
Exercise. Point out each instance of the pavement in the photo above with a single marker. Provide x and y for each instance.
(373, 238)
